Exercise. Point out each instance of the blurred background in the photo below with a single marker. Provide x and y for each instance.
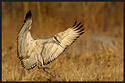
(96, 56)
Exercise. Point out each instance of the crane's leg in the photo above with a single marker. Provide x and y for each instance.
(44, 69)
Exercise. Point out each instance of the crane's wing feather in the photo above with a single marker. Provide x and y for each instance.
(29, 63)
(52, 49)
(51, 52)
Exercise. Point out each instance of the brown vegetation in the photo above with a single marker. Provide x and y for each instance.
(96, 56)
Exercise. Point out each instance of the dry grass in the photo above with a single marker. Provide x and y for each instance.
(95, 56)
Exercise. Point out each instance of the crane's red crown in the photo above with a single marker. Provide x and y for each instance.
(55, 38)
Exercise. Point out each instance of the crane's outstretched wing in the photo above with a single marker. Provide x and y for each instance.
(53, 49)
(22, 37)
(24, 44)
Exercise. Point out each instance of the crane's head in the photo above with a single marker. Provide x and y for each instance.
(55, 38)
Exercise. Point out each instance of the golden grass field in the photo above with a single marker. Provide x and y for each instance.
(96, 56)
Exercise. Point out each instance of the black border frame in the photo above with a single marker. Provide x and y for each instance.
(59, 1)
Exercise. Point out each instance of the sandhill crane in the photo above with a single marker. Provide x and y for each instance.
(31, 51)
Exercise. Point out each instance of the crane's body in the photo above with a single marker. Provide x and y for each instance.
(31, 51)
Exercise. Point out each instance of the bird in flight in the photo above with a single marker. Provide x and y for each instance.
(33, 51)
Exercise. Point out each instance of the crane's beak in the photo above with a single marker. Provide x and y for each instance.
(59, 43)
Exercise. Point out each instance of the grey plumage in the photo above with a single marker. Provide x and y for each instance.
(31, 51)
